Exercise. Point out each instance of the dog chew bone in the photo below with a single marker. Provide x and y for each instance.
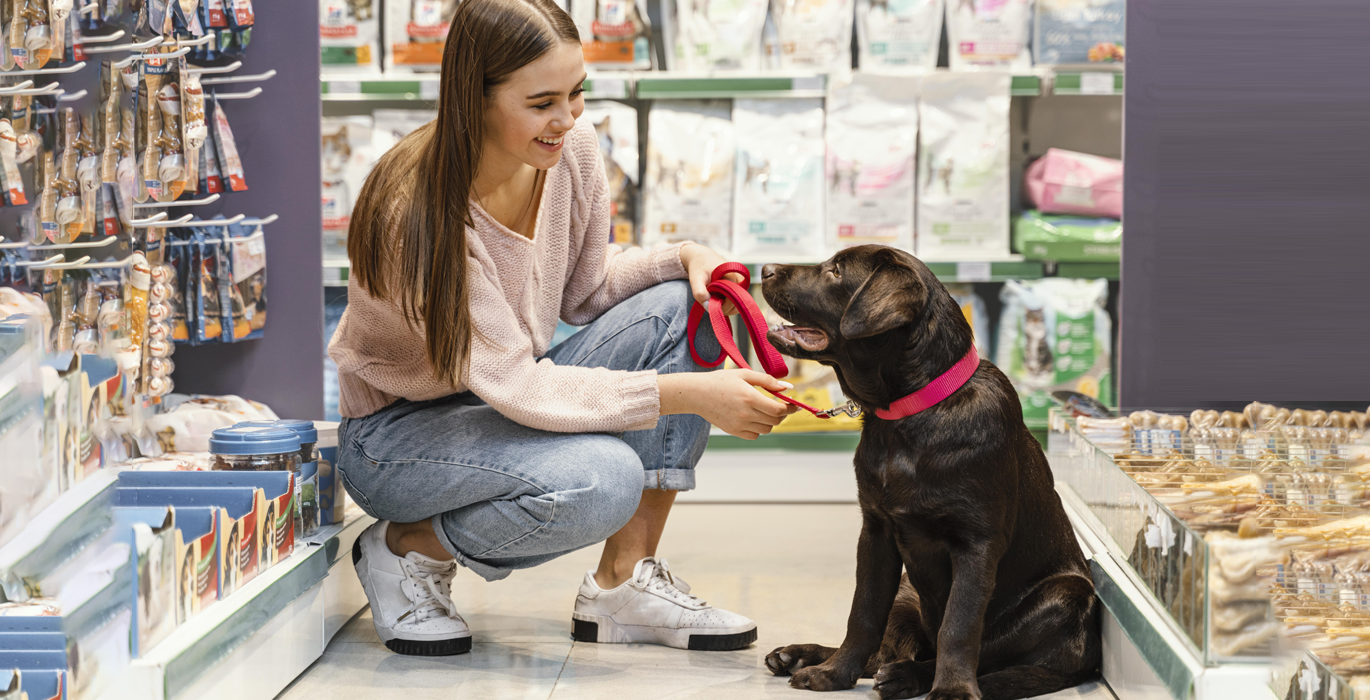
(135, 302)
(1238, 557)
(1253, 635)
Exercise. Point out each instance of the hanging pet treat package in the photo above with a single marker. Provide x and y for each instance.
(616, 126)
(778, 184)
(688, 189)
(177, 255)
(614, 33)
(229, 162)
(898, 35)
(1079, 31)
(872, 138)
(415, 31)
(204, 304)
(1055, 334)
(346, 157)
(246, 253)
(194, 126)
(211, 177)
(30, 34)
(719, 34)
(963, 164)
(814, 35)
(988, 33)
(349, 35)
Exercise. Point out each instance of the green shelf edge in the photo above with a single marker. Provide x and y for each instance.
(1089, 270)
(1025, 86)
(1069, 83)
(760, 86)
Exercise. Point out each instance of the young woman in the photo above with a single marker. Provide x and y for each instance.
(468, 438)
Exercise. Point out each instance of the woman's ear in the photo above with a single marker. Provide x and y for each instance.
(892, 296)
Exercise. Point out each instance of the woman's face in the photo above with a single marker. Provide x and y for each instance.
(536, 107)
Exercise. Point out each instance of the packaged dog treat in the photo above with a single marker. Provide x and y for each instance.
(778, 186)
(177, 255)
(229, 162)
(614, 33)
(688, 188)
(346, 158)
(205, 304)
(814, 35)
(1055, 334)
(1079, 31)
(872, 138)
(988, 33)
(963, 185)
(719, 35)
(194, 127)
(349, 35)
(898, 35)
(616, 125)
(211, 177)
(415, 31)
(247, 288)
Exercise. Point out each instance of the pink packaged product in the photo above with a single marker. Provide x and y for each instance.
(1066, 182)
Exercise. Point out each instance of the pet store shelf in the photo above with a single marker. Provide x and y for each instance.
(335, 273)
(667, 86)
(253, 643)
(836, 441)
(380, 88)
(62, 530)
(1088, 270)
(1087, 83)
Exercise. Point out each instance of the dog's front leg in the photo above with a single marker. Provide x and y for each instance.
(973, 568)
(878, 566)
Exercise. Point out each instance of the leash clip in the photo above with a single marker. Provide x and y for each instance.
(849, 408)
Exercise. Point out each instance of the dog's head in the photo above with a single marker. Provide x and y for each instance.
(876, 314)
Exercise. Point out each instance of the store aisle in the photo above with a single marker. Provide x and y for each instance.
(790, 567)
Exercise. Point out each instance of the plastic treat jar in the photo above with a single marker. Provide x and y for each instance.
(306, 478)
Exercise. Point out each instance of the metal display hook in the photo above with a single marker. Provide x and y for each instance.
(215, 69)
(48, 71)
(15, 245)
(151, 57)
(101, 39)
(31, 263)
(238, 95)
(46, 265)
(107, 240)
(155, 222)
(136, 46)
(239, 78)
(178, 203)
(106, 264)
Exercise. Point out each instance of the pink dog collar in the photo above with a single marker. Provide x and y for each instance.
(937, 390)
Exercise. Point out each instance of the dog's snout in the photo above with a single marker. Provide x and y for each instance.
(768, 271)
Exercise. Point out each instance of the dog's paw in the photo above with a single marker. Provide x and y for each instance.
(823, 678)
(786, 660)
(971, 693)
(902, 679)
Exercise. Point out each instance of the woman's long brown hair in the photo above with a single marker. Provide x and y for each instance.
(407, 238)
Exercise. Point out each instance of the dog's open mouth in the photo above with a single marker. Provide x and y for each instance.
(810, 339)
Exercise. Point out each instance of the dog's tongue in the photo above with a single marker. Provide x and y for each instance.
(810, 339)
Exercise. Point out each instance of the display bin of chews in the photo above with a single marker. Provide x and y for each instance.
(1065, 238)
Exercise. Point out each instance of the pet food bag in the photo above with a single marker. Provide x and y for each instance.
(616, 126)
(349, 35)
(898, 35)
(345, 158)
(1079, 31)
(1066, 182)
(963, 185)
(814, 35)
(415, 32)
(719, 34)
(688, 187)
(1041, 236)
(392, 125)
(988, 33)
(1055, 334)
(614, 33)
(872, 136)
(973, 308)
(778, 201)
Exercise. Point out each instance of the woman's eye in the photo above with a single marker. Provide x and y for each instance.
(544, 105)
(577, 92)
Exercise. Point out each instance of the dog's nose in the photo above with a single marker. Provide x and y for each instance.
(768, 271)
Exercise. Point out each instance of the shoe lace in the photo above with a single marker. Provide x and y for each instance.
(430, 591)
(658, 579)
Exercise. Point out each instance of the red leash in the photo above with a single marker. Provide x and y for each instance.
(722, 289)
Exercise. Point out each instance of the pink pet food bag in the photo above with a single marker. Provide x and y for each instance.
(1066, 182)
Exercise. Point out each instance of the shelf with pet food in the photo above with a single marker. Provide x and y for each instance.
(412, 87)
(1249, 530)
(1086, 82)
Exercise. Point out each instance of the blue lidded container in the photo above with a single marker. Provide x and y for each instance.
(307, 477)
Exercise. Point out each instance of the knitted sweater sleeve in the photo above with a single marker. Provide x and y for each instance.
(601, 274)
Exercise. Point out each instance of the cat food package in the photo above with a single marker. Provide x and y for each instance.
(346, 158)
(349, 35)
(719, 35)
(977, 315)
(415, 31)
(1055, 334)
(963, 181)
(688, 188)
(1079, 31)
(872, 138)
(778, 186)
(898, 35)
(392, 125)
(616, 125)
(614, 33)
(814, 35)
(988, 33)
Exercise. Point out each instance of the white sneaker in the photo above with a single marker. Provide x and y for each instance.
(411, 597)
(656, 608)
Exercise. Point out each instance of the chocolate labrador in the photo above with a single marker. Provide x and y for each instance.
(996, 601)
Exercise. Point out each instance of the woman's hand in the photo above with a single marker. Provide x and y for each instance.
(726, 399)
(699, 262)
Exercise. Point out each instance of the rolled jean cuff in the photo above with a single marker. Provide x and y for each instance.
(669, 479)
(485, 571)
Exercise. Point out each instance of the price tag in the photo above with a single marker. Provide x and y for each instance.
(809, 82)
(608, 88)
(972, 272)
(1096, 83)
(428, 89)
(344, 87)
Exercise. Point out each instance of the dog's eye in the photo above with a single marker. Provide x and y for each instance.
(835, 271)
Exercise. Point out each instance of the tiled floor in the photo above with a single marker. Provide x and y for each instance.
(789, 567)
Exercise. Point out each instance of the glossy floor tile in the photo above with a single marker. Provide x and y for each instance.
(789, 567)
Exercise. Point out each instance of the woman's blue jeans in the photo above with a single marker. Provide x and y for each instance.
(503, 496)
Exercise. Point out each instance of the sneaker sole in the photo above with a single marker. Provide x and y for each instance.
(602, 630)
(414, 647)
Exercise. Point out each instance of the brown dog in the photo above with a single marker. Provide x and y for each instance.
(997, 602)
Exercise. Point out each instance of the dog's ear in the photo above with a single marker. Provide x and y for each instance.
(892, 296)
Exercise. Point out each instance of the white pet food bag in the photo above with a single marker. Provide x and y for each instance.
(614, 33)
(719, 34)
(989, 33)
(350, 35)
(616, 125)
(872, 137)
(688, 188)
(392, 125)
(963, 185)
(415, 32)
(345, 159)
(898, 35)
(814, 35)
(778, 207)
